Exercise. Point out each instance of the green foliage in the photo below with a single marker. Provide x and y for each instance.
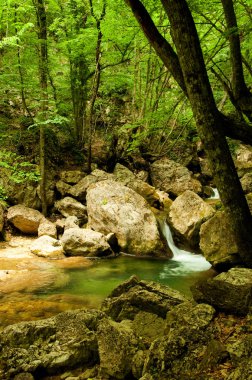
(21, 171)
(56, 120)
(3, 194)
(136, 93)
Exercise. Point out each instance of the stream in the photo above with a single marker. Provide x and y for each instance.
(51, 287)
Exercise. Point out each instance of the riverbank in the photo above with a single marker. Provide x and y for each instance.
(144, 330)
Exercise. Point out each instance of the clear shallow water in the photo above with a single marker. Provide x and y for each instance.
(100, 279)
(87, 287)
(71, 288)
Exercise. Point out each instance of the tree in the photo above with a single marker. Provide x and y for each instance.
(96, 78)
(43, 70)
(188, 68)
(239, 92)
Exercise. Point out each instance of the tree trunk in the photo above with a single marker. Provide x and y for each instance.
(42, 35)
(232, 128)
(96, 81)
(209, 123)
(241, 93)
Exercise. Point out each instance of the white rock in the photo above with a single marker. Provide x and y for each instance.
(85, 242)
(115, 208)
(46, 246)
(24, 218)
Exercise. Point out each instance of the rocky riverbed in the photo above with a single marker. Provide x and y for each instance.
(144, 330)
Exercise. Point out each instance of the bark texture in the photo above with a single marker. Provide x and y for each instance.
(232, 128)
(242, 97)
(209, 121)
(43, 64)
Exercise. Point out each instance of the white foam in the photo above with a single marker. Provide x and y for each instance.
(187, 261)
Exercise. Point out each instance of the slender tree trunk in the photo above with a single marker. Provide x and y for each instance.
(96, 82)
(20, 71)
(43, 65)
(241, 93)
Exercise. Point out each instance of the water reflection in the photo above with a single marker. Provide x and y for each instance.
(88, 286)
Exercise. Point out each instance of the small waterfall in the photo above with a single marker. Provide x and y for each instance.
(216, 194)
(177, 253)
(189, 261)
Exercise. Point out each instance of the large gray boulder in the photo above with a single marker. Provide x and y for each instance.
(69, 206)
(229, 291)
(134, 296)
(173, 178)
(217, 241)
(79, 190)
(50, 345)
(115, 208)
(128, 178)
(71, 176)
(178, 353)
(85, 242)
(117, 346)
(24, 218)
(187, 213)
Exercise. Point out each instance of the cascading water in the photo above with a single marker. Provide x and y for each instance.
(216, 194)
(186, 261)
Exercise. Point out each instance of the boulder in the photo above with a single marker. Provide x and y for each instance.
(24, 218)
(127, 178)
(173, 178)
(85, 242)
(117, 346)
(46, 227)
(217, 241)
(71, 176)
(71, 222)
(187, 213)
(165, 201)
(249, 201)
(240, 348)
(178, 353)
(115, 208)
(47, 246)
(123, 174)
(205, 169)
(134, 296)
(63, 188)
(148, 327)
(19, 193)
(71, 207)
(229, 291)
(1, 217)
(246, 182)
(50, 345)
(143, 175)
(243, 159)
(79, 190)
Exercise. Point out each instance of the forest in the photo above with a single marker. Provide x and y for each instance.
(126, 150)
